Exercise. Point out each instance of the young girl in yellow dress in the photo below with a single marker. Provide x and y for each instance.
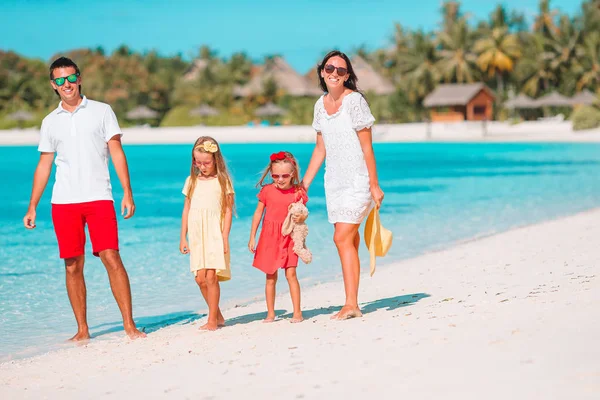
(206, 221)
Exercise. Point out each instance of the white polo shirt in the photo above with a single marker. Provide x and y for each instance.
(80, 141)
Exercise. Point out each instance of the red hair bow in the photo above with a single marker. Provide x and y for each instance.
(278, 156)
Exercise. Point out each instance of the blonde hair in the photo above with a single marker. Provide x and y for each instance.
(221, 169)
(288, 159)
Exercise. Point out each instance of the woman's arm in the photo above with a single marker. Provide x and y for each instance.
(318, 156)
(365, 138)
(255, 222)
(183, 245)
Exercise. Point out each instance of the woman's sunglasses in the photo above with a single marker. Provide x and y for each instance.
(282, 176)
(61, 81)
(340, 71)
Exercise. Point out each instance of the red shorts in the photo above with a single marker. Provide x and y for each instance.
(69, 224)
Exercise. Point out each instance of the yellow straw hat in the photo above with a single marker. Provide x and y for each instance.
(377, 238)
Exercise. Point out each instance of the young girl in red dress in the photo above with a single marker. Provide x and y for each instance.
(274, 251)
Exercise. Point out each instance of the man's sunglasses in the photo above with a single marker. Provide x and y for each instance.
(282, 176)
(61, 81)
(340, 71)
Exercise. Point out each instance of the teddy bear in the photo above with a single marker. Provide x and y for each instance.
(298, 232)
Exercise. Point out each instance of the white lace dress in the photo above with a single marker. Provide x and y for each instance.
(347, 190)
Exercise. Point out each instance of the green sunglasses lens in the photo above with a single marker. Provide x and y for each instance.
(59, 81)
(72, 78)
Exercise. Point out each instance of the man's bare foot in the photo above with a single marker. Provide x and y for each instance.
(296, 318)
(134, 333)
(348, 312)
(209, 326)
(80, 336)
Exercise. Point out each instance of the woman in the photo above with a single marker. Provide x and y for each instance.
(343, 123)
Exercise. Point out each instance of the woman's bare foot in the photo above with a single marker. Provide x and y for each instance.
(134, 333)
(296, 318)
(270, 318)
(221, 322)
(209, 326)
(80, 336)
(348, 312)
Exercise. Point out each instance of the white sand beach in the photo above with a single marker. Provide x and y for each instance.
(530, 131)
(508, 316)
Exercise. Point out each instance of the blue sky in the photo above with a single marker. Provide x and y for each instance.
(301, 31)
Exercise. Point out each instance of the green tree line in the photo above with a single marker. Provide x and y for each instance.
(508, 52)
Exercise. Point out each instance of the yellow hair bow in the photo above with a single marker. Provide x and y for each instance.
(208, 147)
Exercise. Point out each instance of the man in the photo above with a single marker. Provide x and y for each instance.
(82, 133)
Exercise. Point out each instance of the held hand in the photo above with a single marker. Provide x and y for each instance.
(127, 205)
(225, 245)
(29, 219)
(299, 218)
(183, 247)
(377, 195)
(304, 186)
(251, 245)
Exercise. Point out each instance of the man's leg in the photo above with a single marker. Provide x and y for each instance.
(77, 295)
(69, 226)
(102, 225)
(119, 284)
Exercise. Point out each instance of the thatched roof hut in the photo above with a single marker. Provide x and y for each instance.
(553, 99)
(141, 112)
(521, 101)
(284, 76)
(462, 101)
(585, 98)
(269, 110)
(369, 80)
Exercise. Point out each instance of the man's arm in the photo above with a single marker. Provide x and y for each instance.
(120, 162)
(40, 180)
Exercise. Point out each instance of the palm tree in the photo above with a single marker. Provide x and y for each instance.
(589, 66)
(565, 51)
(498, 53)
(457, 63)
(418, 66)
(544, 21)
(451, 14)
(533, 70)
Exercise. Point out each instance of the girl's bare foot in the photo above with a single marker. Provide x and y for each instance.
(296, 318)
(209, 326)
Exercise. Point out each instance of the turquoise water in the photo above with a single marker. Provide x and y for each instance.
(436, 195)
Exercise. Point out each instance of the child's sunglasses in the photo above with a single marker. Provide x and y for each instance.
(61, 81)
(282, 176)
(340, 71)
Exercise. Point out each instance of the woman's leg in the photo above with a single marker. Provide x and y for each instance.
(292, 278)
(270, 296)
(202, 284)
(346, 240)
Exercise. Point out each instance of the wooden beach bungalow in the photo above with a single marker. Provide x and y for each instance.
(460, 102)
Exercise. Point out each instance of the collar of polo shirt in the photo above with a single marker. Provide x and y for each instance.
(83, 103)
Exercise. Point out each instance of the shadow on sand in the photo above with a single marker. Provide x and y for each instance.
(149, 324)
(388, 304)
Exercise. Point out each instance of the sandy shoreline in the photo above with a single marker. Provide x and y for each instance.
(536, 131)
(507, 316)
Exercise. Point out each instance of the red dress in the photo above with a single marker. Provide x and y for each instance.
(274, 250)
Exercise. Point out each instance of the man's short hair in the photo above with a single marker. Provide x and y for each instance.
(63, 62)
